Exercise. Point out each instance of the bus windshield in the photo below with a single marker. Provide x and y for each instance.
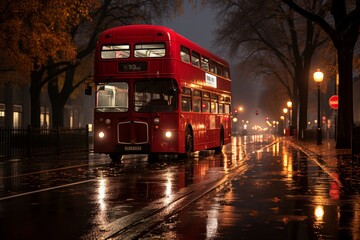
(112, 97)
(155, 95)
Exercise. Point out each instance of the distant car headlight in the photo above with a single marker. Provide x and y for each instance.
(101, 134)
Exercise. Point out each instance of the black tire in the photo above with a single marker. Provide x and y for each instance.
(153, 157)
(115, 157)
(189, 142)
(219, 148)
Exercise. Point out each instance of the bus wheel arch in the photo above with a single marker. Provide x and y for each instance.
(218, 149)
(189, 140)
(115, 157)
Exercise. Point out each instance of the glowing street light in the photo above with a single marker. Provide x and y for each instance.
(318, 78)
(283, 124)
(289, 105)
(285, 111)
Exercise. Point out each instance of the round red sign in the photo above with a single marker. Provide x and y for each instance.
(334, 101)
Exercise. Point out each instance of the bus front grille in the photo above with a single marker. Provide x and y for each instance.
(133, 132)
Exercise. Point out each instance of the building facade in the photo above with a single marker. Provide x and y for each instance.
(15, 110)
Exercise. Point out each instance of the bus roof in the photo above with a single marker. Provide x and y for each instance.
(147, 30)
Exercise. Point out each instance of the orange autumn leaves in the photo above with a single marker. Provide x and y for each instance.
(33, 31)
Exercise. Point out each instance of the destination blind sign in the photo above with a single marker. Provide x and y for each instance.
(210, 80)
(132, 67)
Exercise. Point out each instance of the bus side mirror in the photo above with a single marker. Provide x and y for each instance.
(88, 90)
(173, 91)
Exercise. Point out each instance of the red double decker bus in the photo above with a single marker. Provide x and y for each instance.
(158, 93)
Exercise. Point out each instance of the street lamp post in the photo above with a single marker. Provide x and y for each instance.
(289, 105)
(241, 109)
(285, 110)
(235, 119)
(318, 78)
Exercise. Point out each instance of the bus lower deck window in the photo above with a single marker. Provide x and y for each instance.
(205, 106)
(196, 105)
(186, 104)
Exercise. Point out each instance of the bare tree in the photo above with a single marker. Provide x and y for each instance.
(111, 13)
(279, 41)
(343, 30)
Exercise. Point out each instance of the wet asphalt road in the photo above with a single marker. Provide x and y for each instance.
(282, 195)
(259, 188)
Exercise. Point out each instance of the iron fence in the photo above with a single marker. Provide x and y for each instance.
(29, 142)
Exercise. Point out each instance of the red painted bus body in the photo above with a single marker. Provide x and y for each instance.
(158, 93)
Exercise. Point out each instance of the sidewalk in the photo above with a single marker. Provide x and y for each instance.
(338, 163)
(326, 150)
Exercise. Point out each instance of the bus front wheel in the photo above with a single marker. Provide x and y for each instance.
(115, 157)
(189, 144)
(219, 148)
(153, 157)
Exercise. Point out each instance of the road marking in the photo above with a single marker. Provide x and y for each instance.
(44, 171)
(46, 189)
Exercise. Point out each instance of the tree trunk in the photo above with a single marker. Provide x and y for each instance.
(58, 98)
(58, 115)
(57, 104)
(302, 74)
(304, 93)
(35, 94)
(345, 118)
(303, 107)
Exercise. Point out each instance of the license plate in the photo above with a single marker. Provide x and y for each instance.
(132, 148)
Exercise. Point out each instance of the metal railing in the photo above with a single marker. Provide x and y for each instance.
(29, 142)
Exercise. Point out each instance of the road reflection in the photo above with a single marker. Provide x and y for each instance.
(284, 194)
(279, 192)
(212, 221)
(102, 218)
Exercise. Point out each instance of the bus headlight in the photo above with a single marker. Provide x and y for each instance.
(168, 134)
(101, 134)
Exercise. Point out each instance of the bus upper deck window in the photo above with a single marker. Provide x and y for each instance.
(185, 54)
(115, 51)
(151, 50)
(205, 63)
(213, 68)
(226, 73)
(195, 59)
(219, 70)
